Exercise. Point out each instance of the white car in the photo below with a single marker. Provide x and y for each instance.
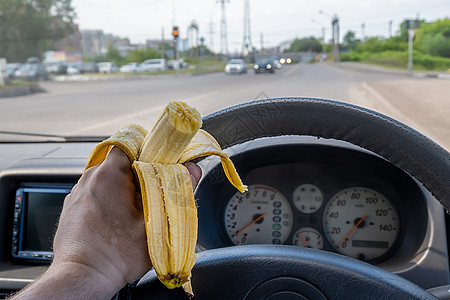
(150, 65)
(107, 67)
(236, 66)
(129, 68)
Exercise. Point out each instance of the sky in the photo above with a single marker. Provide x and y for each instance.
(271, 22)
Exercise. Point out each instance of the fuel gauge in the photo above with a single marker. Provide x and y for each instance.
(308, 237)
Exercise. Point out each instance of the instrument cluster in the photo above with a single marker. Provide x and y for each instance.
(314, 196)
(357, 221)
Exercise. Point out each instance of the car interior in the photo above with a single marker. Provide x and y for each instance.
(342, 203)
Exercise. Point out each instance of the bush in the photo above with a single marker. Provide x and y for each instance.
(350, 56)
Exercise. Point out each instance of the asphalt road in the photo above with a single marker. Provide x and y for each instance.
(101, 107)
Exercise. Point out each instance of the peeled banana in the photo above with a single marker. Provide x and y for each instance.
(168, 202)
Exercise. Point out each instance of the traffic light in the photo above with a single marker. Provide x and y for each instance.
(175, 32)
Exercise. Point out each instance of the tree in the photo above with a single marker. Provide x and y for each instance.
(350, 41)
(30, 27)
(139, 55)
(305, 45)
(434, 38)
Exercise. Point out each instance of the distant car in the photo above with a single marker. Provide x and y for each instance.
(56, 67)
(33, 70)
(276, 62)
(107, 67)
(285, 60)
(150, 65)
(129, 67)
(236, 66)
(264, 65)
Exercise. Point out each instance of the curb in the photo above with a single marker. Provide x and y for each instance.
(20, 91)
(81, 77)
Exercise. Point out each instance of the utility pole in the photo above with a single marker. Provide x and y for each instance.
(363, 27)
(163, 47)
(261, 39)
(211, 35)
(323, 35)
(390, 28)
(335, 26)
(247, 46)
(223, 30)
(193, 38)
(335, 34)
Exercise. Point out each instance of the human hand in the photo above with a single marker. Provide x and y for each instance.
(101, 240)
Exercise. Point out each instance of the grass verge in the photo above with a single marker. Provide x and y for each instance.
(399, 60)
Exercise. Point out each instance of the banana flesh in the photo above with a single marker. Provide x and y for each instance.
(168, 202)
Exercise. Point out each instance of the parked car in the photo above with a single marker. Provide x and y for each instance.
(33, 69)
(89, 67)
(150, 65)
(11, 68)
(56, 67)
(129, 67)
(107, 67)
(236, 66)
(180, 63)
(263, 65)
(74, 68)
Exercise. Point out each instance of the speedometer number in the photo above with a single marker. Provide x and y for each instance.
(361, 223)
(262, 215)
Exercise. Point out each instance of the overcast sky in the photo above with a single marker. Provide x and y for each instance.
(276, 21)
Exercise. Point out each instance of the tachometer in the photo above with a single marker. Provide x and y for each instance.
(262, 215)
(361, 223)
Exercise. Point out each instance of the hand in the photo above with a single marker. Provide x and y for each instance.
(101, 242)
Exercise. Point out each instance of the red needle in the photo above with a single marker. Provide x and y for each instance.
(304, 241)
(351, 231)
(250, 224)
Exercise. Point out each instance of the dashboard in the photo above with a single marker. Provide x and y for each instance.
(303, 192)
(322, 194)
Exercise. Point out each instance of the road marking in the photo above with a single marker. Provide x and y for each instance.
(121, 120)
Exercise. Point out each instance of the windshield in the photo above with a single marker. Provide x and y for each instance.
(389, 56)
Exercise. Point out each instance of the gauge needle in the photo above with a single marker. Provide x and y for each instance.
(250, 224)
(304, 241)
(351, 231)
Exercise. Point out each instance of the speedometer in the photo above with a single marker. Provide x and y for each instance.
(361, 223)
(262, 215)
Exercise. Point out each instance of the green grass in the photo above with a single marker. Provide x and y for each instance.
(399, 60)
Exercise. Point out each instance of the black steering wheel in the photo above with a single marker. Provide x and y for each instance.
(287, 272)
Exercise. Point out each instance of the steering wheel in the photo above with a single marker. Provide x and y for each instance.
(287, 272)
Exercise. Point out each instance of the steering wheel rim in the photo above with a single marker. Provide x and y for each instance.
(398, 143)
(311, 273)
(403, 146)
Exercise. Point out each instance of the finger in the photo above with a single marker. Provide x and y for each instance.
(118, 158)
(196, 173)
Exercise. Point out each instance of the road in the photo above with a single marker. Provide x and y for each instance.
(100, 107)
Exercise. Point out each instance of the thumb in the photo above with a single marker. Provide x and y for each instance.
(196, 173)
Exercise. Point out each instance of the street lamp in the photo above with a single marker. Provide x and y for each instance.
(335, 33)
(323, 35)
